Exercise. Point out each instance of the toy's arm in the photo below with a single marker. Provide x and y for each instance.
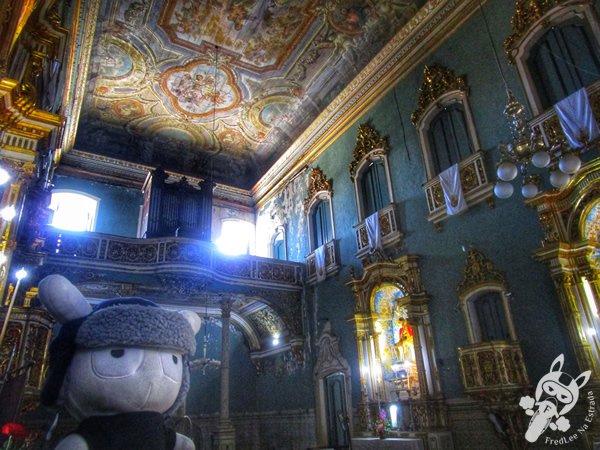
(183, 443)
(72, 442)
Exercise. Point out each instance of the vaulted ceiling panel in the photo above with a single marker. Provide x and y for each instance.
(223, 86)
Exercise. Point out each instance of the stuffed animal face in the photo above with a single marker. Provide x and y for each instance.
(122, 379)
(126, 355)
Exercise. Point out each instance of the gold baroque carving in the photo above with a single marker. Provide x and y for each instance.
(267, 322)
(317, 182)
(368, 139)
(527, 12)
(437, 80)
(478, 270)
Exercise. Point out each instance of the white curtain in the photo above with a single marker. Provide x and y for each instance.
(577, 119)
(373, 235)
(320, 267)
(453, 193)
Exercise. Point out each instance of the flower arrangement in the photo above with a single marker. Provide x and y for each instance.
(382, 424)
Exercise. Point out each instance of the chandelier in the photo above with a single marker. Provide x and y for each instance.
(527, 148)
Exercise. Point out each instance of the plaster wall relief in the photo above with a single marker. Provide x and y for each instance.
(287, 209)
(228, 82)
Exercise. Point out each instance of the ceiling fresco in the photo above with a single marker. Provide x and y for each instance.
(222, 86)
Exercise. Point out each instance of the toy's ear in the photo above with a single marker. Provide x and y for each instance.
(62, 299)
(557, 363)
(583, 378)
(193, 320)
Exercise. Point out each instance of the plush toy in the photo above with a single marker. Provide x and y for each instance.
(120, 369)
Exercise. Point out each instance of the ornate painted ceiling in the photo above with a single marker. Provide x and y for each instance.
(223, 86)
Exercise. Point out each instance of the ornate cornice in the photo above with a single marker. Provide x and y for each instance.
(85, 13)
(21, 123)
(479, 271)
(317, 182)
(368, 140)
(437, 80)
(433, 23)
(527, 12)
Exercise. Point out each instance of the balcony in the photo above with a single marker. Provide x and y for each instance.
(388, 228)
(332, 265)
(475, 185)
(491, 370)
(549, 126)
(95, 251)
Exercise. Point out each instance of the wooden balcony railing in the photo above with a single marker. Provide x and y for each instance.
(388, 228)
(549, 126)
(490, 367)
(332, 265)
(475, 186)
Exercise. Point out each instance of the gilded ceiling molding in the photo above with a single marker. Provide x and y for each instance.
(437, 80)
(85, 14)
(479, 270)
(433, 23)
(527, 12)
(15, 14)
(317, 182)
(368, 139)
(22, 125)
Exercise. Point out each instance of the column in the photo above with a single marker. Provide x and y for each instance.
(225, 432)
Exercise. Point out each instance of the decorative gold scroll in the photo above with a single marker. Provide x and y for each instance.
(317, 182)
(478, 270)
(368, 139)
(527, 12)
(437, 80)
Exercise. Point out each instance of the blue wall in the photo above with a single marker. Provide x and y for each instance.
(506, 234)
(249, 391)
(119, 207)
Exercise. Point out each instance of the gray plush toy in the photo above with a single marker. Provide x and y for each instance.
(120, 368)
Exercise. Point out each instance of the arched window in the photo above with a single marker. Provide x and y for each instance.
(450, 145)
(490, 320)
(278, 244)
(558, 54)
(319, 210)
(237, 237)
(322, 231)
(73, 210)
(484, 301)
(370, 172)
(322, 261)
(564, 60)
(374, 187)
(448, 137)
(444, 120)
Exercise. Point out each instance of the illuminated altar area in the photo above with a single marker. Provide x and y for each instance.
(399, 378)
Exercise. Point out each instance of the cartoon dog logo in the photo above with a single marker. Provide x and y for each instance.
(556, 394)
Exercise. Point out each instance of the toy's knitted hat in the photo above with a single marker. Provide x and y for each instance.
(127, 322)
